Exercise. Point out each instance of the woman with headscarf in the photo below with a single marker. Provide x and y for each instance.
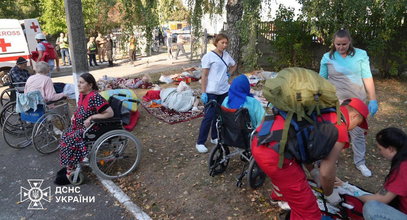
(240, 97)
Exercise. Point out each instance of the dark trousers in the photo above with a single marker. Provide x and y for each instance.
(92, 57)
(132, 54)
(209, 120)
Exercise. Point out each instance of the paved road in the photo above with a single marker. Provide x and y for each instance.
(123, 68)
(18, 166)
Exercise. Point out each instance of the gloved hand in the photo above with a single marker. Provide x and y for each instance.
(334, 199)
(373, 107)
(228, 74)
(204, 98)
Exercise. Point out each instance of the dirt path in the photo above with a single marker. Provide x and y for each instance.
(173, 181)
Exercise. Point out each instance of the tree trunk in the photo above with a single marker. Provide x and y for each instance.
(234, 13)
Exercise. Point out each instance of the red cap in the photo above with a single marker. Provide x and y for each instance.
(361, 107)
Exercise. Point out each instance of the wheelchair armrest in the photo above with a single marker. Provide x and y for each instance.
(51, 102)
(18, 84)
(128, 100)
(106, 120)
(19, 89)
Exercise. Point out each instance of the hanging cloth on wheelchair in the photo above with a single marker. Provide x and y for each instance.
(30, 105)
(27, 101)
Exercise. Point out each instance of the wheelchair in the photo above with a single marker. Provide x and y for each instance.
(42, 128)
(234, 131)
(114, 152)
(9, 94)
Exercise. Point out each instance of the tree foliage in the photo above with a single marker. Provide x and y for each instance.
(248, 34)
(20, 9)
(292, 41)
(172, 10)
(246, 25)
(140, 14)
(95, 15)
(376, 25)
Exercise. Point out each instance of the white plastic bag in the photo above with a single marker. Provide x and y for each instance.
(182, 87)
(165, 79)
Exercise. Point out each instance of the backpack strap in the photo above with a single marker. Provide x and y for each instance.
(267, 124)
(283, 141)
(265, 135)
(221, 59)
(338, 114)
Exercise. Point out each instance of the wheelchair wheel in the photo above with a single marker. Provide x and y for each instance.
(218, 160)
(256, 176)
(16, 132)
(78, 181)
(115, 154)
(7, 96)
(8, 109)
(47, 132)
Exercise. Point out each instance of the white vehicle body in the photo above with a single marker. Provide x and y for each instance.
(17, 39)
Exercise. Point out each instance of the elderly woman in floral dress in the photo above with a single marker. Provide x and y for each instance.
(91, 106)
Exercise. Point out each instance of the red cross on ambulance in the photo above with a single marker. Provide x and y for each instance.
(4, 45)
(34, 27)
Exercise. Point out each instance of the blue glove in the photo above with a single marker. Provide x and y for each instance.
(204, 98)
(373, 107)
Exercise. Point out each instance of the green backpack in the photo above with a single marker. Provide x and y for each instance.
(299, 92)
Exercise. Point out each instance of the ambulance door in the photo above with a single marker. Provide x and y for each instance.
(12, 43)
(32, 28)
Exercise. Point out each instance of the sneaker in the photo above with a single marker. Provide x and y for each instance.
(57, 131)
(85, 160)
(284, 205)
(201, 148)
(364, 170)
(195, 109)
(214, 141)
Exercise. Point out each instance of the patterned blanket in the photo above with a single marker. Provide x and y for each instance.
(171, 116)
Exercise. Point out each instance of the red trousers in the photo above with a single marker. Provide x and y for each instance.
(290, 183)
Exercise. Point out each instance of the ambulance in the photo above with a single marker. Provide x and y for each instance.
(17, 39)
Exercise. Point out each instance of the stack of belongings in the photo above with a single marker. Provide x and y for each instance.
(132, 107)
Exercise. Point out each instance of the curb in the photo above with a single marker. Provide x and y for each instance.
(124, 199)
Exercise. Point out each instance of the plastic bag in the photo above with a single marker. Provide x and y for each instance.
(165, 79)
(182, 87)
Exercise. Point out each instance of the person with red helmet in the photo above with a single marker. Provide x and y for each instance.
(289, 182)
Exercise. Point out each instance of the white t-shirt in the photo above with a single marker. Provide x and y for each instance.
(217, 77)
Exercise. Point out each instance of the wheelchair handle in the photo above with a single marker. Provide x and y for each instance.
(133, 100)
(212, 103)
(51, 102)
(128, 100)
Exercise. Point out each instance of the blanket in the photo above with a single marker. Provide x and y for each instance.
(121, 83)
(132, 106)
(179, 101)
(170, 116)
(349, 208)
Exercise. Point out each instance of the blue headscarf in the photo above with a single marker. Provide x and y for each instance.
(238, 91)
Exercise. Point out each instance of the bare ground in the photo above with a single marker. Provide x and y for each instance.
(172, 181)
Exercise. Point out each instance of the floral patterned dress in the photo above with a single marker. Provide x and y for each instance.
(72, 145)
